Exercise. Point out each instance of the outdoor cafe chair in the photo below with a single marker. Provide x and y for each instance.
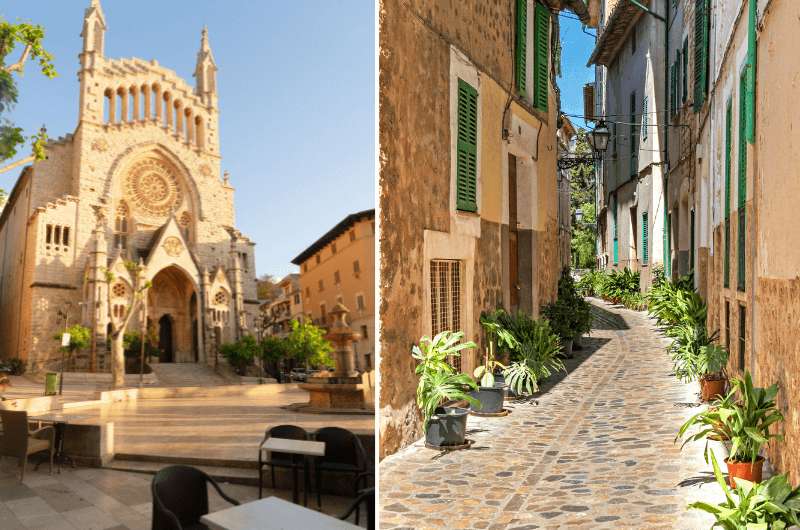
(366, 497)
(18, 441)
(344, 453)
(275, 459)
(180, 498)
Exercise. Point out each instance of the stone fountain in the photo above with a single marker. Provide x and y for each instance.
(344, 389)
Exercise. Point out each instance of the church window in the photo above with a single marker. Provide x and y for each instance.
(317, 256)
(336, 278)
(352, 235)
(356, 268)
(119, 290)
(121, 226)
(333, 248)
(221, 298)
(321, 286)
(49, 237)
(57, 236)
(65, 236)
(185, 222)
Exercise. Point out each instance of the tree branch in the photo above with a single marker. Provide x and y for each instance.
(18, 66)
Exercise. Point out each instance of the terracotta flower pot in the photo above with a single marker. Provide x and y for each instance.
(745, 470)
(710, 389)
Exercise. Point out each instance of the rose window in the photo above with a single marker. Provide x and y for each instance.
(152, 188)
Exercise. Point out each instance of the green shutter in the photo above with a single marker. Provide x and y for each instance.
(701, 31)
(467, 148)
(752, 17)
(685, 70)
(742, 191)
(673, 89)
(522, 45)
(645, 242)
(614, 231)
(668, 252)
(541, 66)
(727, 198)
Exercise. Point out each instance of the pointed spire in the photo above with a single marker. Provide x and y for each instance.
(205, 72)
(93, 32)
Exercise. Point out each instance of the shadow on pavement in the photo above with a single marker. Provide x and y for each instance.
(706, 477)
(604, 319)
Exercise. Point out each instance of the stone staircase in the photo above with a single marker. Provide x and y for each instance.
(188, 374)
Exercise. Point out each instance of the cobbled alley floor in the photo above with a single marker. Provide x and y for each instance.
(594, 449)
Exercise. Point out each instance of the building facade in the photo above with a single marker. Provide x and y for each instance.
(629, 91)
(138, 181)
(340, 268)
(746, 150)
(277, 314)
(468, 178)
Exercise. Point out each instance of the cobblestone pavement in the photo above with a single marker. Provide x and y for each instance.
(593, 450)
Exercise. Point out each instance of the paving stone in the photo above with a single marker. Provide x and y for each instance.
(594, 449)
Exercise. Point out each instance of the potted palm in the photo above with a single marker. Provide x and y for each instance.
(440, 385)
(695, 357)
(711, 428)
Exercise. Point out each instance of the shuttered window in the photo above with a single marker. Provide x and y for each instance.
(614, 232)
(726, 273)
(522, 46)
(668, 251)
(685, 70)
(752, 21)
(673, 89)
(645, 240)
(701, 30)
(446, 299)
(645, 119)
(633, 141)
(467, 148)
(541, 55)
(742, 163)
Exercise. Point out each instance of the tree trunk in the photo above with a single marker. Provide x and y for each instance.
(118, 360)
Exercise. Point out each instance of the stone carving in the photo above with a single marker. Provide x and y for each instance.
(100, 144)
(205, 170)
(152, 188)
(173, 246)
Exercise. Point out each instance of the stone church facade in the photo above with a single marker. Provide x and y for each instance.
(139, 181)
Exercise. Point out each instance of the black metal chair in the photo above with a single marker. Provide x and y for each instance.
(285, 460)
(344, 453)
(366, 497)
(180, 498)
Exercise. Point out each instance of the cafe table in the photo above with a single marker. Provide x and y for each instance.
(273, 513)
(59, 422)
(306, 448)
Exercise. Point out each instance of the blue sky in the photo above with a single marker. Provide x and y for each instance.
(576, 46)
(296, 90)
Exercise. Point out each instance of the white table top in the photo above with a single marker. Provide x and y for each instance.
(56, 418)
(273, 513)
(297, 447)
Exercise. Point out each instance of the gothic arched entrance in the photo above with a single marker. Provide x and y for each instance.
(165, 344)
(172, 305)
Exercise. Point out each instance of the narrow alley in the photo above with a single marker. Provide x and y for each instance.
(593, 449)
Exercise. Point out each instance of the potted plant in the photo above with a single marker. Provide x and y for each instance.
(714, 379)
(491, 390)
(711, 429)
(771, 505)
(537, 359)
(744, 416)
(439, 384)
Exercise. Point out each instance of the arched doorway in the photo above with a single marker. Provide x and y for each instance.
(172, 304)
(165, 343)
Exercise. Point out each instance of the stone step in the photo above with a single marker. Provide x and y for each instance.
(220, 473)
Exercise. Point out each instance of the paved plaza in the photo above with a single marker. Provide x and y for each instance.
(95, 499)
(220, 428)
(594, 450)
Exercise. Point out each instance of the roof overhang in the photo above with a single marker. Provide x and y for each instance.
(622, 19)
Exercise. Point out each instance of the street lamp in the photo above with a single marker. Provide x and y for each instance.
(598, 140)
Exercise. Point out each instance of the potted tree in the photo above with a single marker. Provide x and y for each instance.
(440, 385)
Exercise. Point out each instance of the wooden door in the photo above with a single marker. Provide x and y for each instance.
(513, 248)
